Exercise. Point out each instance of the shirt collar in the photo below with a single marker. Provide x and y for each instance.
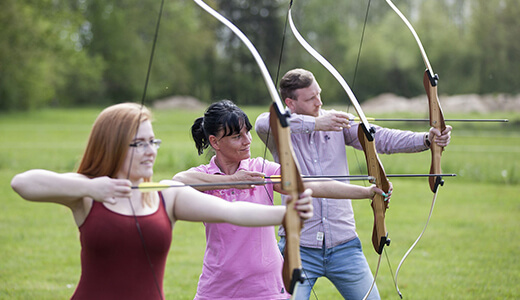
(214, 169)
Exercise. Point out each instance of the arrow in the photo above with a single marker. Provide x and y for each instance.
(428, 120)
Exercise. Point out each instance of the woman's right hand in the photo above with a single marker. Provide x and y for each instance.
(106, 189)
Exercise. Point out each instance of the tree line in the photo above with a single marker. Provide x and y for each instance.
(96, 52)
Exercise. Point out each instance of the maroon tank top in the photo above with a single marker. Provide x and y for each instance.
(114, 264)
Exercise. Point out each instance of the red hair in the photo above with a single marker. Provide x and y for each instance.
(108, 143)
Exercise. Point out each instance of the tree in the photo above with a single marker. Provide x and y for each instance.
(40, 55)
(494, 32)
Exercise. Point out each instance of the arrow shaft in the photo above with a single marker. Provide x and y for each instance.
(428, 120)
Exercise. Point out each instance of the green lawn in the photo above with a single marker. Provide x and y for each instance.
(469, 250)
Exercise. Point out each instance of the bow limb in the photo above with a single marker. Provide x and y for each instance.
(291, 180)
(366, 135)
(379, 205)
(293, 185)
(436, 121)
(430, 80)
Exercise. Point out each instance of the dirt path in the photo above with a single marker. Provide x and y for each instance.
(453, 104)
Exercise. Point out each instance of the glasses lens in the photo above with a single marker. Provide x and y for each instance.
(141, 146)
(156, 143)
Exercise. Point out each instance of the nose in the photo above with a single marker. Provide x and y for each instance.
(248, 139)
(150, 150)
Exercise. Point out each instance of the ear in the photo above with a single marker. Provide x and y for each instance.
(290, 103)
(213, 141)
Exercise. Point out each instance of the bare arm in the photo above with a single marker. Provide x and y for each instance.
(339, 190)
(194, 177)
(191, 205)
(67, 188)
(321, 189)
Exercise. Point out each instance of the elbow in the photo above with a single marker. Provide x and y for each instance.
(179, 177)
(18, 184)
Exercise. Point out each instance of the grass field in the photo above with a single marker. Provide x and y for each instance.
(469, 251)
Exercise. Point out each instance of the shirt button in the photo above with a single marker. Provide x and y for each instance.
(312, 142)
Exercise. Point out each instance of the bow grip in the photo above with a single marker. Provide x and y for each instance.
(379, 205)
(292, 184)
(436, 121)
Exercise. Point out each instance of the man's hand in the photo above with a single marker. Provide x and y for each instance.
(333, 121)
(441, 139)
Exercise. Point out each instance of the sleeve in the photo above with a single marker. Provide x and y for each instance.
(264, 133)
(302, 123)
(201, 169)
(298, 123)
(271, 168)
(389, 141)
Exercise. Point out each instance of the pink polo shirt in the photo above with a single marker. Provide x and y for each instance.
(242, 262)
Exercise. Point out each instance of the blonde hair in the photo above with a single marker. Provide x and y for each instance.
(112, 132)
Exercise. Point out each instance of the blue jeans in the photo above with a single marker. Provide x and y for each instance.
(344, 265)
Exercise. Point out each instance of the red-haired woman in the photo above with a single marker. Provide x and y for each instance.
(126, 234)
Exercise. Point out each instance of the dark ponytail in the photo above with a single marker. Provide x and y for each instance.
(222, 115)
(200, 138)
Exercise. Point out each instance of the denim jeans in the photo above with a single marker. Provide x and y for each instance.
(344, 265)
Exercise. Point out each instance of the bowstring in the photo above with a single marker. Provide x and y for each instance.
(269, 128)
(413, 245)
(137, 224)
(280, 57)
(276, 81)
(358, 59)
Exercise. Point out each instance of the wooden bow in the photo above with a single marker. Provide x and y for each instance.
(366, 135)
(430, 81)
(292, 184)
(291, 179)
(437, 121)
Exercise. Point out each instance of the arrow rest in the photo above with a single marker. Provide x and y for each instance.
(369, 132)
(438, 181)
(283, 115)
(296, 277)
(384, 241)
(433, 80)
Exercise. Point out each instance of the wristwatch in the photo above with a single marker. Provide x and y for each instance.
(427, 140)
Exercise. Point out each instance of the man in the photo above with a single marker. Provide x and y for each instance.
(329, 244)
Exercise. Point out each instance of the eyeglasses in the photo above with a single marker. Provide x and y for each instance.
(141, 146)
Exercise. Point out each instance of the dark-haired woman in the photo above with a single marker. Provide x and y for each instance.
(126, 234)
(226, 129)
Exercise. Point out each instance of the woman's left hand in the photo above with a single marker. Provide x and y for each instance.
(377, 191)
(304, 205)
